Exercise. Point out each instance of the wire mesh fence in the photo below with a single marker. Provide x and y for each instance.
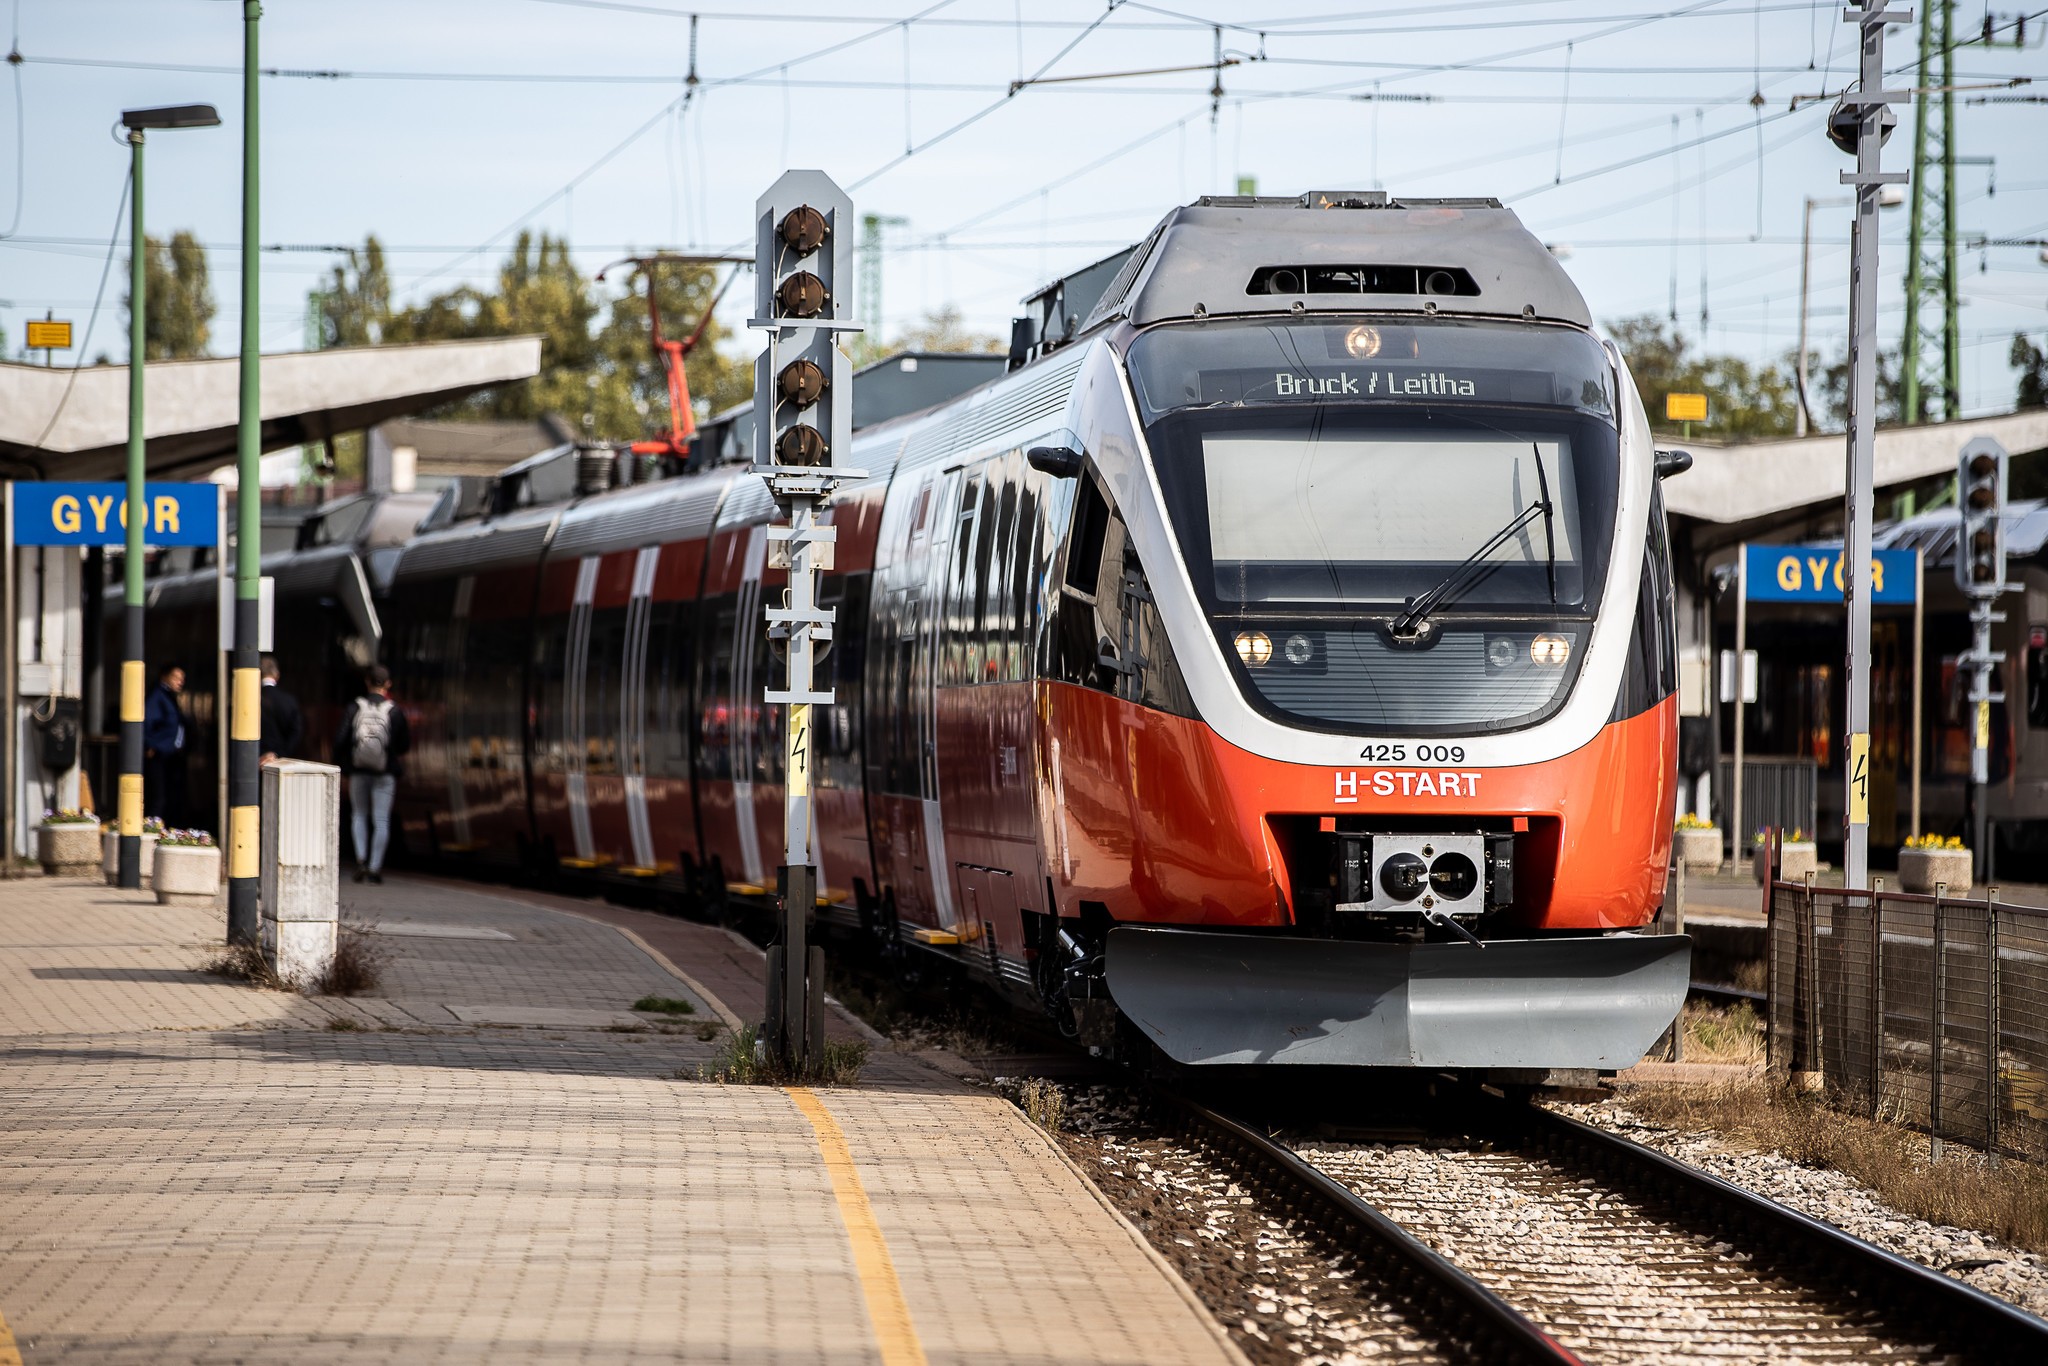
(1928, 1011)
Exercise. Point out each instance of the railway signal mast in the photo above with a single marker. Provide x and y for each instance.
(1980, 573)
(1861, 121)
(803, 405)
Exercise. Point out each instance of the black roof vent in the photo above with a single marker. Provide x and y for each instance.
(1445, 280)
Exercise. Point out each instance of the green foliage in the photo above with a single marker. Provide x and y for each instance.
(742, 1062)
(944, 330)
(1744, 401)
(664, 1005)
(178, 299)
(598, 364)
(2032, 363)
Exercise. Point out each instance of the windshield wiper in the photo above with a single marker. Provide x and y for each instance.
(1468, 575)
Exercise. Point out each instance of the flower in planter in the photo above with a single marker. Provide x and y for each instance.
(1691, 822)
(1932, 842)
(185, 839)
(68, 816)
(153, 825)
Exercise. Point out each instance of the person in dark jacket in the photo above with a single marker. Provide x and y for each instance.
(163, 749)
(370, 747)
(284, 726)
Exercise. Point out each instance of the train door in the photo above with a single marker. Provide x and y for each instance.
(942, 528)
(575, 718)
(458, 683)
(747, 705)
(633, 708)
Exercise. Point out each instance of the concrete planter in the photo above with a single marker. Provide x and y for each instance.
(110, 856)
(1922, 870)
(1698, 850)
(186, 875)
(69, 850)
(1795, 861)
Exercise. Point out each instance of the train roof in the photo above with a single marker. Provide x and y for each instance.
(1330, 251)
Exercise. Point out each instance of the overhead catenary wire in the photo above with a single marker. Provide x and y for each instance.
(106, 267)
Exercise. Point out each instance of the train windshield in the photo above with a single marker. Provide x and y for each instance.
(1391, 525)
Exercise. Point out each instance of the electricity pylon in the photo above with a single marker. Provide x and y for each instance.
(1931, 360)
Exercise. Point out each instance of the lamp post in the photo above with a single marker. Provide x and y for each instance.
(1889, 197)
(247, 690)
(136, 121)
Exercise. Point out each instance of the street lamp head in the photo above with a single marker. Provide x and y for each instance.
(170, 116)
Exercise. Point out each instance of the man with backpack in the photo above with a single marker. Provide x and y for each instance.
(370, 748)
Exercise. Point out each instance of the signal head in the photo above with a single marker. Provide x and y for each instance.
(801, 446)
(801, 382)
(801, 295)
(803, 229)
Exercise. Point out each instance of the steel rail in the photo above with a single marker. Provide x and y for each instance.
(1988, 1328)
(1485, 1326)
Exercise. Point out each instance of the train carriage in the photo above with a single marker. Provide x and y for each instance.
(1277, 660)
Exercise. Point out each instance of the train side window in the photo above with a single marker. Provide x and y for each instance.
(1023, 575)
(953, 620)
(2037, 687)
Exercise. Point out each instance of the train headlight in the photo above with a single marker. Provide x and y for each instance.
(1550, 652)
(1363, 342)
(1300, 650)
(1255, 648)
(1500, 652)
(1453, 877)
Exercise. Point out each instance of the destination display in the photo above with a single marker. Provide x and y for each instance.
(1379, 381)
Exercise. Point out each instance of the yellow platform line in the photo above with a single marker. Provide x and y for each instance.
(10, 1355)
(887, 1309)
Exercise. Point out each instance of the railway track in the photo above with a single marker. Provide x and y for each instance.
(1531, 1237)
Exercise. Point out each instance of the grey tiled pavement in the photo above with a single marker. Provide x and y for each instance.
(196, 1171)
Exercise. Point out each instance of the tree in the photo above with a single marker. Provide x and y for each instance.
(178, 314)
(2032, 363)
(356, 302)
(943, 329)
(597, 355)
(1744, 401)
(1833, 389)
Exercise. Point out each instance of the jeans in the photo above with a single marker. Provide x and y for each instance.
(370, 794)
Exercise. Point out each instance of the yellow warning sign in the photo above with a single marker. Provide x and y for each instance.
(1859, 778)
(48, 335)
(1685, 407)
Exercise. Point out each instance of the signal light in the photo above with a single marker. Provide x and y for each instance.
(803, 229)
(801, 382)
(800, 446)
(801, 295)
(1980, 498)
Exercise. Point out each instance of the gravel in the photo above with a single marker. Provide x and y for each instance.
(1991, 1266)
(1284, 1294)
(1611, 1278)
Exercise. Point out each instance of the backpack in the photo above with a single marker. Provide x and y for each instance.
(369, 738)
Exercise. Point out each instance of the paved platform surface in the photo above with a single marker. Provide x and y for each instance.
(195, 1170)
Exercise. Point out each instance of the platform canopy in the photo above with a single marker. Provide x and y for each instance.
(1732, 484)
(66, 424)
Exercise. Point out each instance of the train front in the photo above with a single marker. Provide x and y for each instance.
(1412, 563)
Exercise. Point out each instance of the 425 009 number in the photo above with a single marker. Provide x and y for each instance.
(1424, 754)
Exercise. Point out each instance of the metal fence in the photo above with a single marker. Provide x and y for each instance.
(1925, 1011)
(1781, 794)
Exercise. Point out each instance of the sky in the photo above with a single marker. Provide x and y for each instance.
(1653, 143)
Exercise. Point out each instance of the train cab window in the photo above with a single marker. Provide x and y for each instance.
(1109, 636)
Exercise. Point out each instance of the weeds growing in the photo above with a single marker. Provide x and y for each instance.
(342, 1024)
(664, 1005)
(357, 968)
(1044, 1103)
(1722, 1033)
(2008, 1200)
(242, 961)
(741, 1063)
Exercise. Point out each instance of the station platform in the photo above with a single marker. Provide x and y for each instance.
(495, 1158)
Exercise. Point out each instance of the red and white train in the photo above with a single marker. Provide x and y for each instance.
(1280, 657)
